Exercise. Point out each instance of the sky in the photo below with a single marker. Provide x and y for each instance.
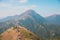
(44, 8)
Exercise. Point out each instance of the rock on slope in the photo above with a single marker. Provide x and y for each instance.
(11, 34)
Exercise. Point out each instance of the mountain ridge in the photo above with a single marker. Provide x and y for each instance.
(11, 34)
(54, 19)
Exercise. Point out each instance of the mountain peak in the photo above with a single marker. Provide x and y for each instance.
(55, 15)
(55, 19)
(30, 11)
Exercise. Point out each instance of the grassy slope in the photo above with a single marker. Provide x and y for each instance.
(11, 34)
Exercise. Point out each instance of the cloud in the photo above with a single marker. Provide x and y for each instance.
(5, 5)
(33, 6)
(23, 1)
(11, 10)
(2, 5)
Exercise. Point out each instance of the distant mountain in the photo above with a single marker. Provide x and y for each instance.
(33, 15)
(29, 19)
(12, 34)
(5, 19)
(54, 19)
(8, 18)
(32, 21)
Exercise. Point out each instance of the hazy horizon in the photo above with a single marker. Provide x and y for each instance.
(16, 7)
